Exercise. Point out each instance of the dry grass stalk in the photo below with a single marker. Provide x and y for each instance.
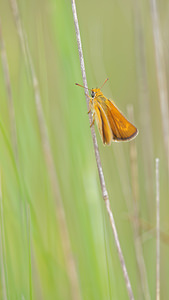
(97, 155)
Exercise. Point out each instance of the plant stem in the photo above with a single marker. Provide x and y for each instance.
(98, 161)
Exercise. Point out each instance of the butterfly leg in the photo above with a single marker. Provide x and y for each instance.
(92, 121)
(90, 104)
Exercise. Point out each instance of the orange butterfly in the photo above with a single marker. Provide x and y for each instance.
(112, 125)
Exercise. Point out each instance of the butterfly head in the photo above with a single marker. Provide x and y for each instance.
(96, 93)
(93, 93)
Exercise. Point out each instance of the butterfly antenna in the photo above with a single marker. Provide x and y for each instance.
(82, 86)
(104, 83)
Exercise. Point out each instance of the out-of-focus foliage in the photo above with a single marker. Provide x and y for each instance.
(32, 257)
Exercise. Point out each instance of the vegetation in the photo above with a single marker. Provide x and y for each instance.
(56, 240)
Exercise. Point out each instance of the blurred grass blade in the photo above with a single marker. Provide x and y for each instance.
(144, 101)
(64, 234)
(157, 231)
(9, 95)
(136, 214)
(161, 76)
(4, 275)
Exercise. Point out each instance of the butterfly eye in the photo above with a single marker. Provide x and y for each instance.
(92, 94)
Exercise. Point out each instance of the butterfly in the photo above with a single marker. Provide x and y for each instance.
(111, 123)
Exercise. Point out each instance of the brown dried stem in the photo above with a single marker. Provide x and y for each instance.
(98, 161)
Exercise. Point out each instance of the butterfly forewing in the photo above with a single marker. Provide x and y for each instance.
(102, 123)
(110, 115)
(122, 129)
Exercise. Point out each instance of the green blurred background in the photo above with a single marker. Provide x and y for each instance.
(37, 254)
